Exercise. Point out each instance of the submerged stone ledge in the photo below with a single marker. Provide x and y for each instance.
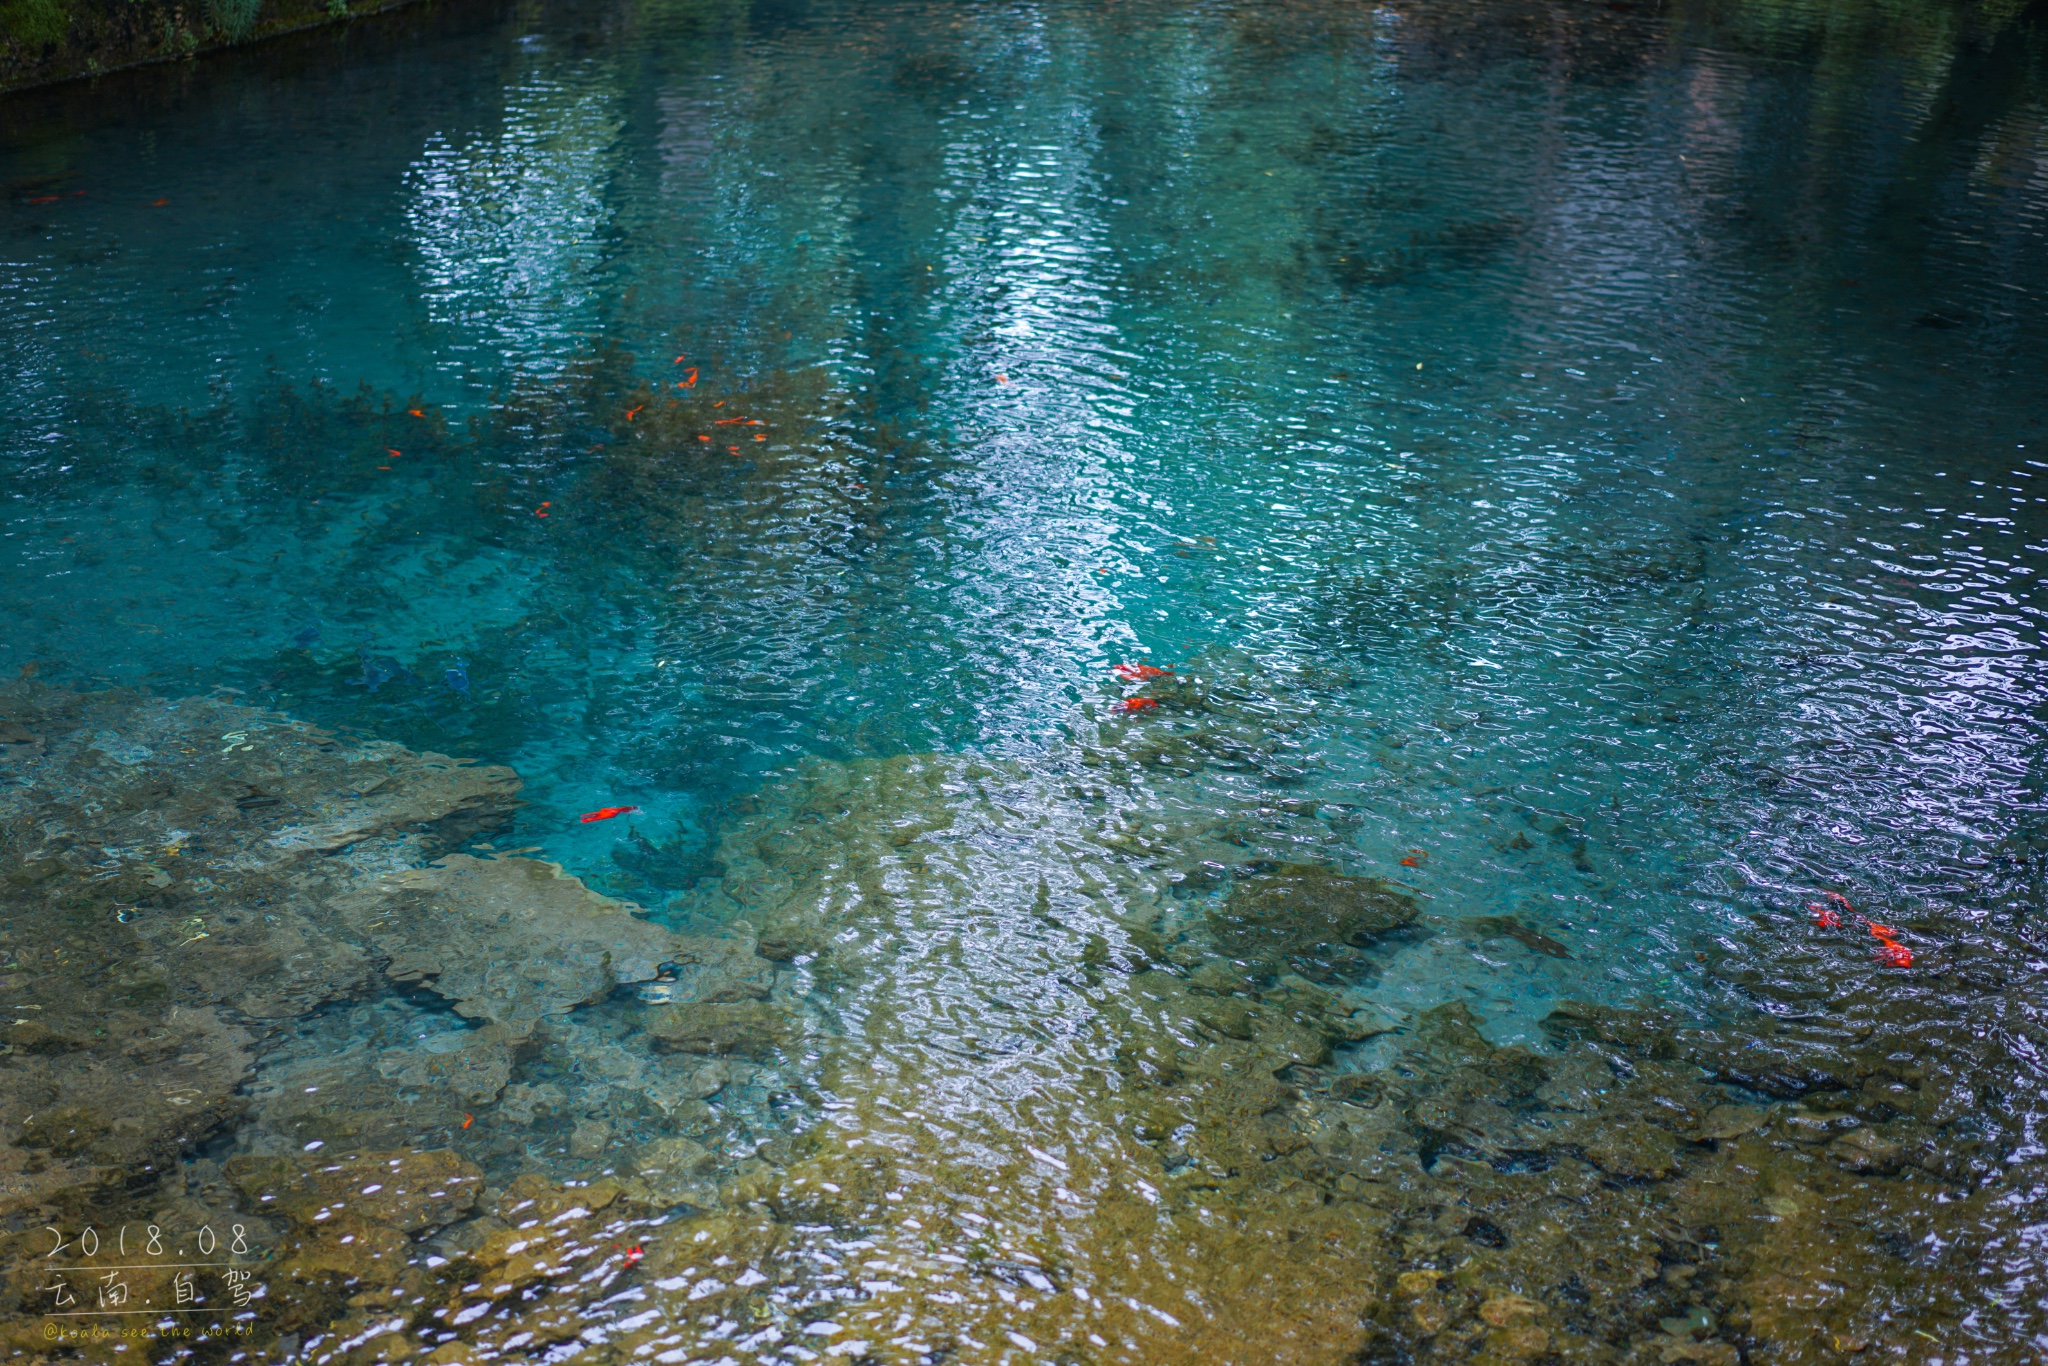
(956, 1060)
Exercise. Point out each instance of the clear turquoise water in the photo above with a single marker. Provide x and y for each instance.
(1637, 417)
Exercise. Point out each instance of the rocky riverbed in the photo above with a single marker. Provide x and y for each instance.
(948, 1060)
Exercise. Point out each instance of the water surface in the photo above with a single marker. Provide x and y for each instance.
(1593, 453)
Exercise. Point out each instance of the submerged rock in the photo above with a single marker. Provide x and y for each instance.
(157, 910)
(1306, 915)
(514, 940)
(1031, 1102)
(407, 1190)
(748, 1029)
(1507, 927)
(216, 924)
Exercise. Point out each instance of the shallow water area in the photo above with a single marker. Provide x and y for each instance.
(1566, 883)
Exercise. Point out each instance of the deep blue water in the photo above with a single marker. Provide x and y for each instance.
(1636, 417)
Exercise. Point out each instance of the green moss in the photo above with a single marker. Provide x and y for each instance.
(34, 23)
(234, 18)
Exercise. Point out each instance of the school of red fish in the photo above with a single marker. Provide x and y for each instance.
(1890, 952)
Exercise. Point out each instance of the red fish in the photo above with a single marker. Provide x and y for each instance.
(729, 421)
(634, 1254)
(1890, 952)
(394, 454)
(468, 1120)
(1139, 703)
(46, 199)
(542, 510)
(1414, 859)
(702, 437)
(759, 437)
(633, 411)
(160, 203)
(415, 412)
(605, 813)
(1002, 379)
(691, 382)
(1138, 673)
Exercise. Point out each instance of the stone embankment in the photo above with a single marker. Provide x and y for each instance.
(43, 41)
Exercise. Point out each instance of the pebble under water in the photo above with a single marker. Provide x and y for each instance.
(1293, 683)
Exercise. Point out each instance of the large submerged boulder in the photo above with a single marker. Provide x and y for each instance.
(514, 940)
(225, 926)
(162, 909)
(1307, 915)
